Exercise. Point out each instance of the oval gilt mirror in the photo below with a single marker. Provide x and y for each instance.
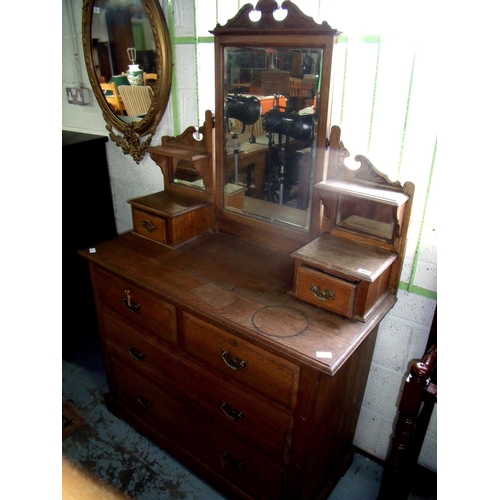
(128, 56)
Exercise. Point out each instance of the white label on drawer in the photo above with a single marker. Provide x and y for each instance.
(323, 354)
(92, 250)
(364, 271)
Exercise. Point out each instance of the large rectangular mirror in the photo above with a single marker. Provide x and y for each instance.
(271, 95)
(273, 92)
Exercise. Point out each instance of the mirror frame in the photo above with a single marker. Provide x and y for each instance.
(134, 138)
(295, 30)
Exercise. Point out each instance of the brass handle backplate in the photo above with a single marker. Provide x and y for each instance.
(148, 225)
(231, 412)
(232, 462)
(232, 362)
(137, 355)
(129, 304)
(144, 402)
(322, 294)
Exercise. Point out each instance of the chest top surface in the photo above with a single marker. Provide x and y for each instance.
(241, 287)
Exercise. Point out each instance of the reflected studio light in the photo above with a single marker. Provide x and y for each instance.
(245, 109)
(298, 127)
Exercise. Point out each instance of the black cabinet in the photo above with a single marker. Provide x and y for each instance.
(88, 219)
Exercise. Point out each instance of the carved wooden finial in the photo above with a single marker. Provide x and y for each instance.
(266, 8)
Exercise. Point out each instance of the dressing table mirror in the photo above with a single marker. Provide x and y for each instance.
(119, 38)
(273, 94)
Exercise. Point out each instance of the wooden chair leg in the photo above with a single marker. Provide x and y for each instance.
(415, 410)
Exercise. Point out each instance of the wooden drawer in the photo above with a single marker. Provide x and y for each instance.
(351, 278)
(150, 226)
(233, 409)
(149, 401)
(236, 460)
(136, 305)
(240, 414)
(233, 458)
(136, 351)
(325, 291)
(241, 361)
(171, 218)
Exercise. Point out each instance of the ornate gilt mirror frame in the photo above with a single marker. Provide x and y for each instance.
(134, 137)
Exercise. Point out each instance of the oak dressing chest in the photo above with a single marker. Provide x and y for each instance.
(212, 346)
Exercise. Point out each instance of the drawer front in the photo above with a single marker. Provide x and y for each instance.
(137, 306)
(134, 350)
(234, 410)
(240, 414)
(325, 291)
(233, 458)
(146, 399)
(241, 361)
(149, 225)
(236, 460)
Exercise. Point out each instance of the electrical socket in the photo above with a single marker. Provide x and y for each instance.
(77, 95)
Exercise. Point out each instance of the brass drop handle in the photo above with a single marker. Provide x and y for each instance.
(232, 462)
(137, 355)
(232, 362)
(231, 412)
(148, 225)
(129, 304)
(322, 294)
(144, 402)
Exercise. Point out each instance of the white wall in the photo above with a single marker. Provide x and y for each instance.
(128, 180)
(403, 333)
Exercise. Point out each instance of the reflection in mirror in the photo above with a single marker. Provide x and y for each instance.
(128, 56)
(123, 50)
(369, 217)
(271, 96)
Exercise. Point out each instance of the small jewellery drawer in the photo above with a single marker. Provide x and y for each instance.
(150, 226)
(241, 361)
(137, 306)
(325, 291)
(171, 218)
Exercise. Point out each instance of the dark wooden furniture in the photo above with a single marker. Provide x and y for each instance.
(276, 47)
(356, 262)
(415, 409)
(183, 211)
(208, 349)
(208, 355)
(91, 223)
